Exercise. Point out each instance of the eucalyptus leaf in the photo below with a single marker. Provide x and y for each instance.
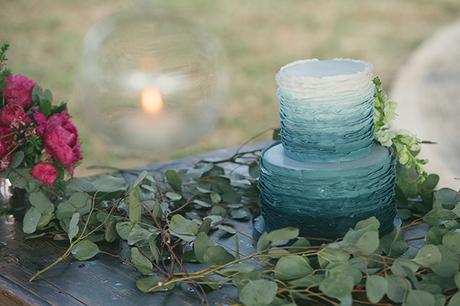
(173, 196)
(217, 255)
(41, 202)
(393, 244)
(420, 298)
(73, 226)
(226, 228)
(142, 263)
(329, 257)
(180, 225)
(200, 245)
(84, 250)
(337, 285)
(18, 158)
(447, 197)
(292, 267)
(147, 282)
(263, 243)
(174, 180)
(123, 229)
(258, 292)
(428, 255)
(283, 235)
(451, 240)
(138, 233)
(134, 205)
(368, 243)
(397, 288)
(31, 219)
(376, 288)
(455, 300)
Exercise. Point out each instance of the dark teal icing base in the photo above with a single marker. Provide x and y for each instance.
(326, 199)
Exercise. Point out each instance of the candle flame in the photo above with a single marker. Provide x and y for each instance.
(151, 101)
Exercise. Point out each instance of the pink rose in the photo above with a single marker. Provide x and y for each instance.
(18, 90)
(40, 119)
(61, 140)
(13, 115)
(45, 173)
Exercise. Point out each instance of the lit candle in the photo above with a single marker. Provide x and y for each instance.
(150, 125)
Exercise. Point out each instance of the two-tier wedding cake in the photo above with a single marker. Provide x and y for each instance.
(327, 173)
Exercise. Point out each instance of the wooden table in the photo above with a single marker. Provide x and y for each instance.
(104, 280)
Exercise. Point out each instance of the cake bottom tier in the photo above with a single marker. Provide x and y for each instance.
(324, 199)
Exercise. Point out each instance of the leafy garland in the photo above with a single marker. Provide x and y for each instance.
(169, 218)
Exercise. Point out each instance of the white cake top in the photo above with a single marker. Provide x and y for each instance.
(315, 78)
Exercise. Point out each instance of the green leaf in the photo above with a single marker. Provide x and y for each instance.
(73, 226)
(145, 283)
(258, 292)
(154, 249)
(455, 300)
(456, 209)
(376, 288)
(134, 205)
(430, 183)
(174, 180)
(448, 265)
(182, 226)
(393, 244)
(283, 235)
(420, 298)
(292, 267)
(226, 228)
(457, 279)
(142, 263)
(428, 255)
(397, 288)
(18, 158)
(368, 243)
(137, 234)
(240, 268)
(85, 250)
(173, 196)
(447, 197)
(263, 243)
(254, 169)
(41, 202)
(215, 197)
(100, 183)
(140, 178)
(200, 245)
(451, 240)
(202, 203)
(217, 255)
(337, 284)
(31, 219)
(330, 257)
(123, 229)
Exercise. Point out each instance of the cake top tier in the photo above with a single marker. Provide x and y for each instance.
(314, 78)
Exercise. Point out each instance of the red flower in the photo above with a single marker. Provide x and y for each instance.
(18, 90)
(40, 119)
(13, 115)
(61, 140)
(45, 173)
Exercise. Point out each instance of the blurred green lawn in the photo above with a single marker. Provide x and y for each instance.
(259, 36)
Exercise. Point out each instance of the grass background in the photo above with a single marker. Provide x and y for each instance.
(259, 36)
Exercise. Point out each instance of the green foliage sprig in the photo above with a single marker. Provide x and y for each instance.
(169, 221)
(406, 145)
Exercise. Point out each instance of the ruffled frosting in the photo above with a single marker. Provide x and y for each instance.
(326, 199)
(326, 109)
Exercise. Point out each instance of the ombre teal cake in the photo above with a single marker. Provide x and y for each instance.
(327, 173)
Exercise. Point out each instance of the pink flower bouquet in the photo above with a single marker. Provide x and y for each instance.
(37, 139)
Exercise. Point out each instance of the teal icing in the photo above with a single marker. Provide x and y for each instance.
(326, 131)
(326, 199)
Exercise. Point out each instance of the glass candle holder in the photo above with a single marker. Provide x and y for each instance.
(151, 81)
